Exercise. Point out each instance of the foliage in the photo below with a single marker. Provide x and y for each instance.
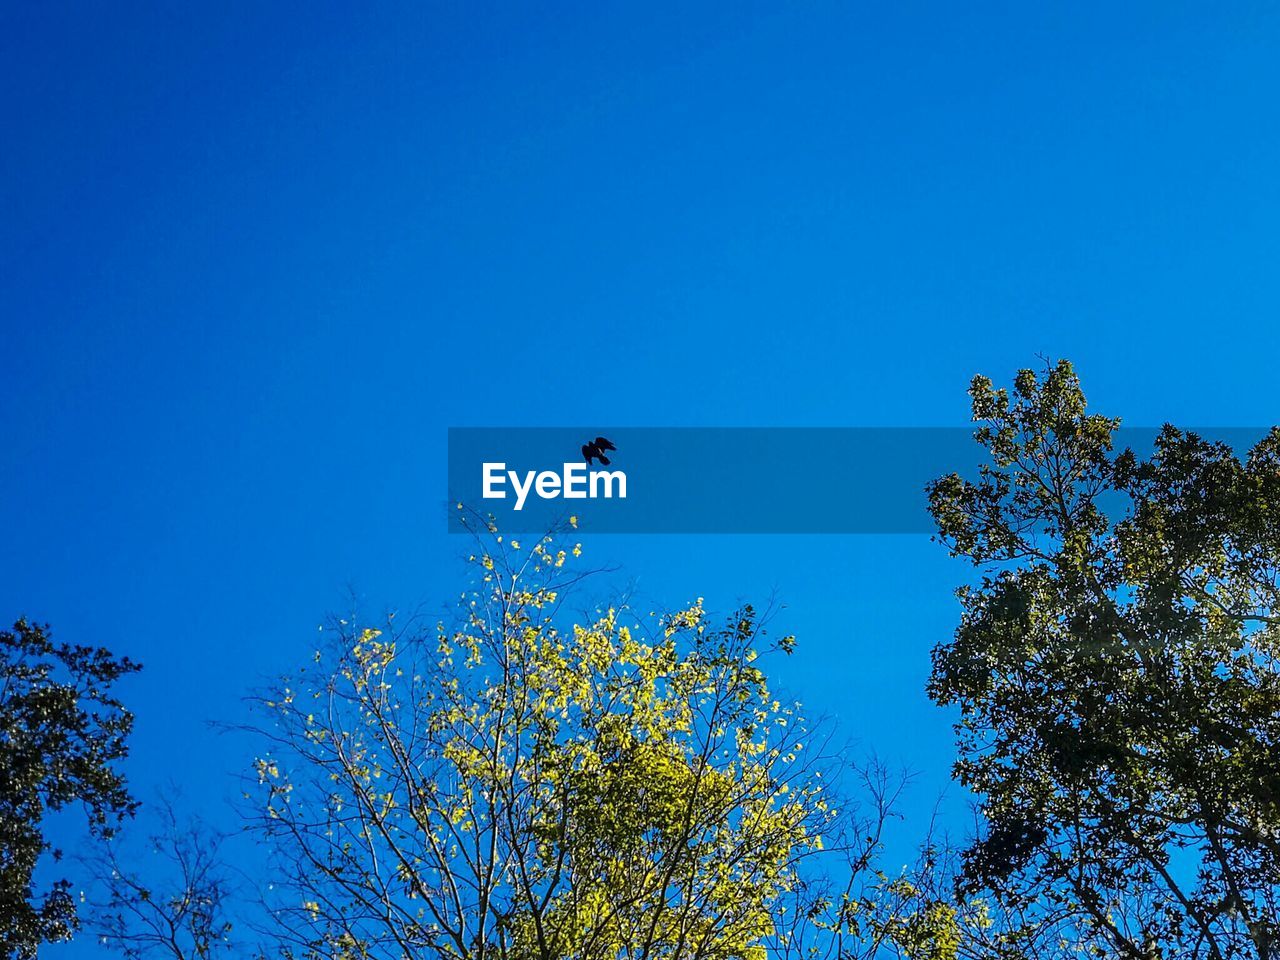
(523, 787)
(1116, 676)
(62, 733)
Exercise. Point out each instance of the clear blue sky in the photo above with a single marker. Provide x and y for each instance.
(254, 260)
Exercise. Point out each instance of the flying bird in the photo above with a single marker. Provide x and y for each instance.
(594, 450)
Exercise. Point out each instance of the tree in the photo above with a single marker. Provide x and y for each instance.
(62, 734)
(522, 787)
(1116, 675)
(172, 898)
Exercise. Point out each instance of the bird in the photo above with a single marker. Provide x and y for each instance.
(594, 450)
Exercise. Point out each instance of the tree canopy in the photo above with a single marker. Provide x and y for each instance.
(515, 786)
(1116, 677)
(62, 734)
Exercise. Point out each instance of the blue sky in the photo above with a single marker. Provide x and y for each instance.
(255, 260)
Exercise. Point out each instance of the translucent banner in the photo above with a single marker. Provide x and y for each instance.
(839, 480)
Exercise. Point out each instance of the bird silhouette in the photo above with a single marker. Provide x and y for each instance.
(594, 450)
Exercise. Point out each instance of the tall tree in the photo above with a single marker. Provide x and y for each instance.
(522, 786)
(1116, 676)
(62, 734)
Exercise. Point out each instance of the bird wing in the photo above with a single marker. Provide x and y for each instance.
(604, 444)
